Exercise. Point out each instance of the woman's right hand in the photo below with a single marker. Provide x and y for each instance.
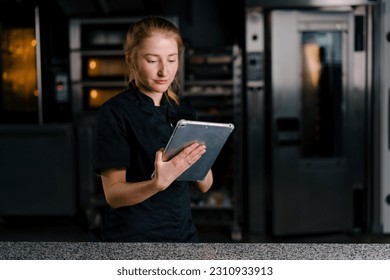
(165, 172)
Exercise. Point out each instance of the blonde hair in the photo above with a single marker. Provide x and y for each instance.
(143, 29)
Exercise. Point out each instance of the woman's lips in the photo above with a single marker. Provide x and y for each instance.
(161, 82)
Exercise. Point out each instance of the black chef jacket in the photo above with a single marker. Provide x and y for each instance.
(129, 130)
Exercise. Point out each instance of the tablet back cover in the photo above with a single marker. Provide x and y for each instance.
(213, 135)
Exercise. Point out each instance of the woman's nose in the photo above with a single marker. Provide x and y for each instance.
(162, 71)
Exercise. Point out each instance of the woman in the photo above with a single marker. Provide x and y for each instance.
(130, 131)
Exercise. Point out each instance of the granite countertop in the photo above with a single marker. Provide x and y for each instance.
(201, 251)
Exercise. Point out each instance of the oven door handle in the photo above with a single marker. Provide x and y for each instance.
(288, 132)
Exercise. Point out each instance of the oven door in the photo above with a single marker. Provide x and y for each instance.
(317, 122)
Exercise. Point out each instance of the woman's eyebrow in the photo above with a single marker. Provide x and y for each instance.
(151, 54)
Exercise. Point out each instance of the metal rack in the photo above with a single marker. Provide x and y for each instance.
(213, 86)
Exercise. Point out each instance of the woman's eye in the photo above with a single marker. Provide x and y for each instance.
(152, 61)
(172, 61)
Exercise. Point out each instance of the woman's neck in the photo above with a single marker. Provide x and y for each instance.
(155, 96)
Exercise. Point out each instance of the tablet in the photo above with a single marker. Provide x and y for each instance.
(212, 134)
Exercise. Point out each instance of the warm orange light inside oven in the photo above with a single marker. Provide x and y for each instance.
(92, 64)
(93, 93)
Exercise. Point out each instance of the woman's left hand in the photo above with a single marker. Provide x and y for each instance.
(167, 171)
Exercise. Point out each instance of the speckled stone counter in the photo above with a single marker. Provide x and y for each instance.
(208, 251)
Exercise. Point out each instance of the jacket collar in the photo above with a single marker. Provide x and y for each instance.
(142, 101)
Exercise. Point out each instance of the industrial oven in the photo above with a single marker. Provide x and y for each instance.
(313, 94)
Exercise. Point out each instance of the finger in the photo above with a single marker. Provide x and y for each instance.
(195, 155)
(159, 155)
(194, 159)
(186, 151)
(158, 158)
(200, 150)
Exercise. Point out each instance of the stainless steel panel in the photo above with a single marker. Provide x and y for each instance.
(255, 120)
(383, 56)
(308, 3)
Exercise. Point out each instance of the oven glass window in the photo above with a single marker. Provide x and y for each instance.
(322, 94)
(18, 71)
(97, 96)
(105, 67)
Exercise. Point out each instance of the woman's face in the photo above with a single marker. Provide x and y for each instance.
(156, 64)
